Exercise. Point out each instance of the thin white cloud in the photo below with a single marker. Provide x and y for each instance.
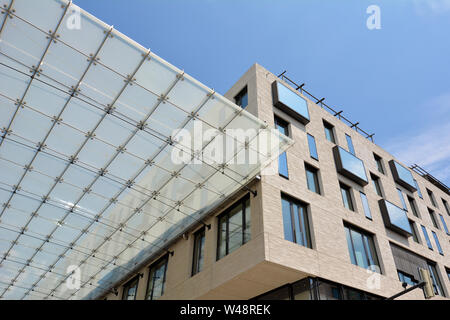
(430, 150)
(426, 7)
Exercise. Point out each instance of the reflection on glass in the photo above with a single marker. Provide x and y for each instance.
(295, 222)
(397, 217)
(199, 244)
(312, 147)
(362, 249)
(438, 244)
(292, 100)
(404, 174)
(366, 206)
(427, 239)
(351, 149)
(312, 179)
(156, 280)
(352, 164)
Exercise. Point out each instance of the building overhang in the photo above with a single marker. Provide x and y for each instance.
(107, 152)
(290, 102)
(395, 218)
(350, 166)
(402, 176)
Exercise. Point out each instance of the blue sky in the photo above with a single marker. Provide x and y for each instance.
(395, 81)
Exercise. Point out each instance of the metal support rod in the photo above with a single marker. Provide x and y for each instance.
(419, 285)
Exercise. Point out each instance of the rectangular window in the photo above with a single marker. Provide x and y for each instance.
(346, 197)
(432, 199)
(433, 218)
(438, 244)
(351, 149)
(295, 221)
(362, 249)
(418, 189)
(447, 208)
(427, 239)
(437, 286)
(312, 178)
(241, 98)
(402, 199)
(444, 224)
(234, 227)
(130, 289)
(376, 184)
(406, 278)
(290, 102)
(448, 273)
(199, 247)
(414, 231)
(156, 279)
(366, 206)
(329, 131)
(283, 127)
(412, 204)
(312, 147)
(379, 162)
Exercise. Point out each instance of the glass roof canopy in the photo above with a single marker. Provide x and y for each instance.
(91, 126)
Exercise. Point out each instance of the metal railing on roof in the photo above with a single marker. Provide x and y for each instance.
(430, 178)
(321, 103)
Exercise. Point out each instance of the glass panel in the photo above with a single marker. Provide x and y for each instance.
(402, 199)
(287, 220)
(444, 224)
(413, 230)
(329, 132)
(366, 206)
(312, 147)
(312, 180)
(404, 174)
(351, 149)
(346, 198)
(352, 164)
(397, 217)
(292, 100)
(418, 189)
(360, 252)
(427, 239)
(438, 244)
(222, 250)
(235, 229)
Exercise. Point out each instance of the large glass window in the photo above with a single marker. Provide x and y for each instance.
(346, 197)
(362, 249)
(376, 184)
(130, 289)
(312, 178)
(157, 279)
(432, 199)
(412, 204)
(234, 227)
(379, 162)
(402, 199)
(241, 98)
(329, 131)
(295, 221)
(437, 286)
(444, 224)
(312, 147)
(427, 238)
(433, 218)
(394, 217)
(366, 206)
(283, 127)
(351, 149)
(199, 247)
(438, 244)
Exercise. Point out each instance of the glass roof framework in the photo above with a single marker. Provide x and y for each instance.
(86, 179)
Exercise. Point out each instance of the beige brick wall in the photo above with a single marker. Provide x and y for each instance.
(268, 261)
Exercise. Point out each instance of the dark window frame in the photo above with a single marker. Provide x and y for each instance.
(376, 182)
(316, 153)
(315, 173)
(348, 191)
(198, 252)
(278, 121)
(127, 286)
(368, 214)
(435, 279)
(328, 127)
(413, 205)
(433, 218)
(157, 263)
(370, 240)
(432, 198)
(379, 163)
(226, 214)
(239, 96)
(305, 227)
(415, 234)
(427, 237)
(351, 147)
